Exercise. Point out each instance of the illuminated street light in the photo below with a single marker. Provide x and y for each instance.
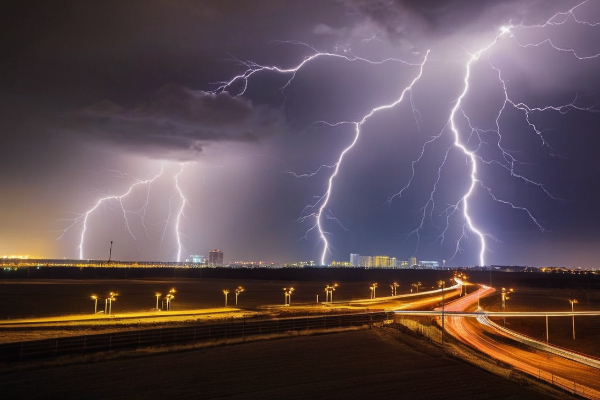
(95, 298)
(373, 288)
(394, 286)
(287, 296)
(505, 297)
(329, 292)
(169, 298)
(417, 285)
(573, 301)
(112, 297)
(225, 292)
(442, 284)
(237, 293)
(157, 297)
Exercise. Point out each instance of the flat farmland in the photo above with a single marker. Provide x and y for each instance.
(377, 363)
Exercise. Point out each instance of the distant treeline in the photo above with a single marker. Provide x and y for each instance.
(330, 274)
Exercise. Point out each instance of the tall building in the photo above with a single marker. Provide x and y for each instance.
(412, 262)
(215, 257)
(365, 261)
(354, 259)
(381, 261)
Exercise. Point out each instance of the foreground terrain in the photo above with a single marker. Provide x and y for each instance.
(375, 363)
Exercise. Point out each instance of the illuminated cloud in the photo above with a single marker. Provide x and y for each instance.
(179, 122)
(418, 22)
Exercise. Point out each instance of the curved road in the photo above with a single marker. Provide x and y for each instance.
(570, 375)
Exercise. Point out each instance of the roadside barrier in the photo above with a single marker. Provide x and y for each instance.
(49, 348)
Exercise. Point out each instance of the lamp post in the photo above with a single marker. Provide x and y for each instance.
(504, 292)
(287, 296)
(329, 292)
(237, 293)
(442, 284)
(573, 301)
(225, 292)
(393, 287)
(112, 297)
(417, 285)
(373, 287)
(95, 298)
(157, 297)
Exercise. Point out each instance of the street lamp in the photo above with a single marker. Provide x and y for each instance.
(442, 284)
(329, 292)
(157, 296)
(393, 287)
(373, 287)
(95, 298)
(287, 296)
(504, 292)
(112, 297)
(237, 293)
(417, 285)
(225, 292)
(573, 301)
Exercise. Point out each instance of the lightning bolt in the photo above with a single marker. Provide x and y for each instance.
(105, 201)
(180, 213)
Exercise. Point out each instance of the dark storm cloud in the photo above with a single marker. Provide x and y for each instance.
(417, 22)
(178, 122)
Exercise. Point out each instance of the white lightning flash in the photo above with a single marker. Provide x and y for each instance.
(105, 200)
(180, 214)
(83, 220)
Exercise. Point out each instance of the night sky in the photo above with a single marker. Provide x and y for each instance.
(99, 96)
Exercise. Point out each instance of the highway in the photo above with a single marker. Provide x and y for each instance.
(502, 345)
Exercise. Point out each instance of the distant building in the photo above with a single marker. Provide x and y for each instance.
(197, 259)
(381, 261)
(215, 257)
(412, 262)
(429, 264)
(340, 264)
(354, 259)
(365, 261)
(404, 264)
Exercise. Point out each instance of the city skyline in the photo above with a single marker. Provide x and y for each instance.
(464, 131)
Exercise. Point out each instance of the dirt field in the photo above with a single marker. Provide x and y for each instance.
(378, 363)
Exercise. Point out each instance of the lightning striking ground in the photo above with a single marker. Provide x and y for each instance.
(473, 157)
(457, 116)
(83, 219)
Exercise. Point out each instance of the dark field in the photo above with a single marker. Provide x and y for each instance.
(41, 298)
(377, 363)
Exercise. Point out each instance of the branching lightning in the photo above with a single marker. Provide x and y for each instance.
(83, 219)
(317, 211)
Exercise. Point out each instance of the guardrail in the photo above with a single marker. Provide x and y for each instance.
(553, 349)
(49, 348)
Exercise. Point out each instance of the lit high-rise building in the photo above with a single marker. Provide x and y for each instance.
(215, 257)
(354, 259)
(412, 261)
(381, 261)
(365, 261)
